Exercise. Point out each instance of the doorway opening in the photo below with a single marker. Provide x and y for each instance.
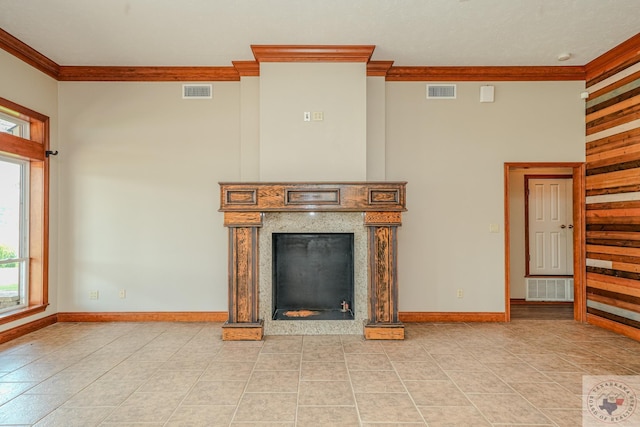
(544, 268)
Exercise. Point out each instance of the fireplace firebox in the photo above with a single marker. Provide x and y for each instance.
(313, 276)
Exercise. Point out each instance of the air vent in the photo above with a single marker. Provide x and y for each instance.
(549, 289)
(441, 91)
(197, 91)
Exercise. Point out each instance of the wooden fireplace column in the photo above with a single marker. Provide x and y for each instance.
(243, 205)
(243, 322)
(383, 276)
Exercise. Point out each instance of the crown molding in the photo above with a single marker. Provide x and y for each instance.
(550, 73)
(619, 57)
(312, 53)
(378, 68)
(147, 74)
(625, 54)
(247, 68)
(28, 54)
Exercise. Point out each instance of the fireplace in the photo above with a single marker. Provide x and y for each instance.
(256, 212)
(312, 276)
(312, 223)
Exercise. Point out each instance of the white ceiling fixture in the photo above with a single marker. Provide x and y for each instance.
(409, 32)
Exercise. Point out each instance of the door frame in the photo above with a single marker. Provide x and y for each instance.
(579, 247)
(527, 250)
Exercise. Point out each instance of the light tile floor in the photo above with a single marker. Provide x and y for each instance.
(527, 372)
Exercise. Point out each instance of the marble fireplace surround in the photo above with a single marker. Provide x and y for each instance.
(313, 222)
(370, 210)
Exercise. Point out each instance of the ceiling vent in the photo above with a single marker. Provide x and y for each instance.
(197, 91)
(441, 91)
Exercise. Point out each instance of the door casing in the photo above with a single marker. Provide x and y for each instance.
(579, 248)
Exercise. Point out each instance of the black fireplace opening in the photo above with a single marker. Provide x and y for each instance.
(313, 276)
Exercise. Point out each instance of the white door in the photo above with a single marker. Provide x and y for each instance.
(550, 227)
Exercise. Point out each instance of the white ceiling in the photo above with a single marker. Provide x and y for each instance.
(410, 32)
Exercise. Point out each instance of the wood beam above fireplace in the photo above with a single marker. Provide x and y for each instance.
(309, 196)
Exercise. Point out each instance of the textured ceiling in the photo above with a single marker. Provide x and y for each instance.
(409, 32)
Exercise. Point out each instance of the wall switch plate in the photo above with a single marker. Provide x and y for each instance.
(494, 228)
(318, 116)
(93, 295)
(460, 293)
(307, 116)
(122, 293)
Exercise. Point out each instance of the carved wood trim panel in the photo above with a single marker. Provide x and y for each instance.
(243, 268)
(309, 196)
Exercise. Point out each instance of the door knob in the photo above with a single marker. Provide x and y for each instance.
(571, 226)
(563, 226)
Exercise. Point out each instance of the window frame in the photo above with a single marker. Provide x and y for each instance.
(22, 257)
(34, 150)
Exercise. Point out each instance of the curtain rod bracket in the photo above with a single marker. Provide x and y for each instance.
(51, 153)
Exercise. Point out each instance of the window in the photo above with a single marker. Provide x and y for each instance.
(24, 187)
(13, 125)
(14, 233)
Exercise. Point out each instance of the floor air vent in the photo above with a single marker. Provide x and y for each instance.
(549, 289)
(441, 91)
(197, 91)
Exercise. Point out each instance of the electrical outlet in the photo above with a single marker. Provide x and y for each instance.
(122, 294)
(93, 295)
(460, 293)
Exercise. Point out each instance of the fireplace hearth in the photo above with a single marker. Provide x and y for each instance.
(255, 212)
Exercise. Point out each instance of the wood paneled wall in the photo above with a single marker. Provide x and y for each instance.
(613, 189)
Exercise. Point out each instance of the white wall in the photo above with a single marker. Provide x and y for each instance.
(334, 149)
(250, 129)
(139, 173)
(376, 128)
(452, 153)
(24, 85)
(135, 205)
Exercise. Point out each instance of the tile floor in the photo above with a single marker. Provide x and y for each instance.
(527, 372)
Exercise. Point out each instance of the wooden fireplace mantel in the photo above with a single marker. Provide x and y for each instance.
(310, 196)
(243, 205)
